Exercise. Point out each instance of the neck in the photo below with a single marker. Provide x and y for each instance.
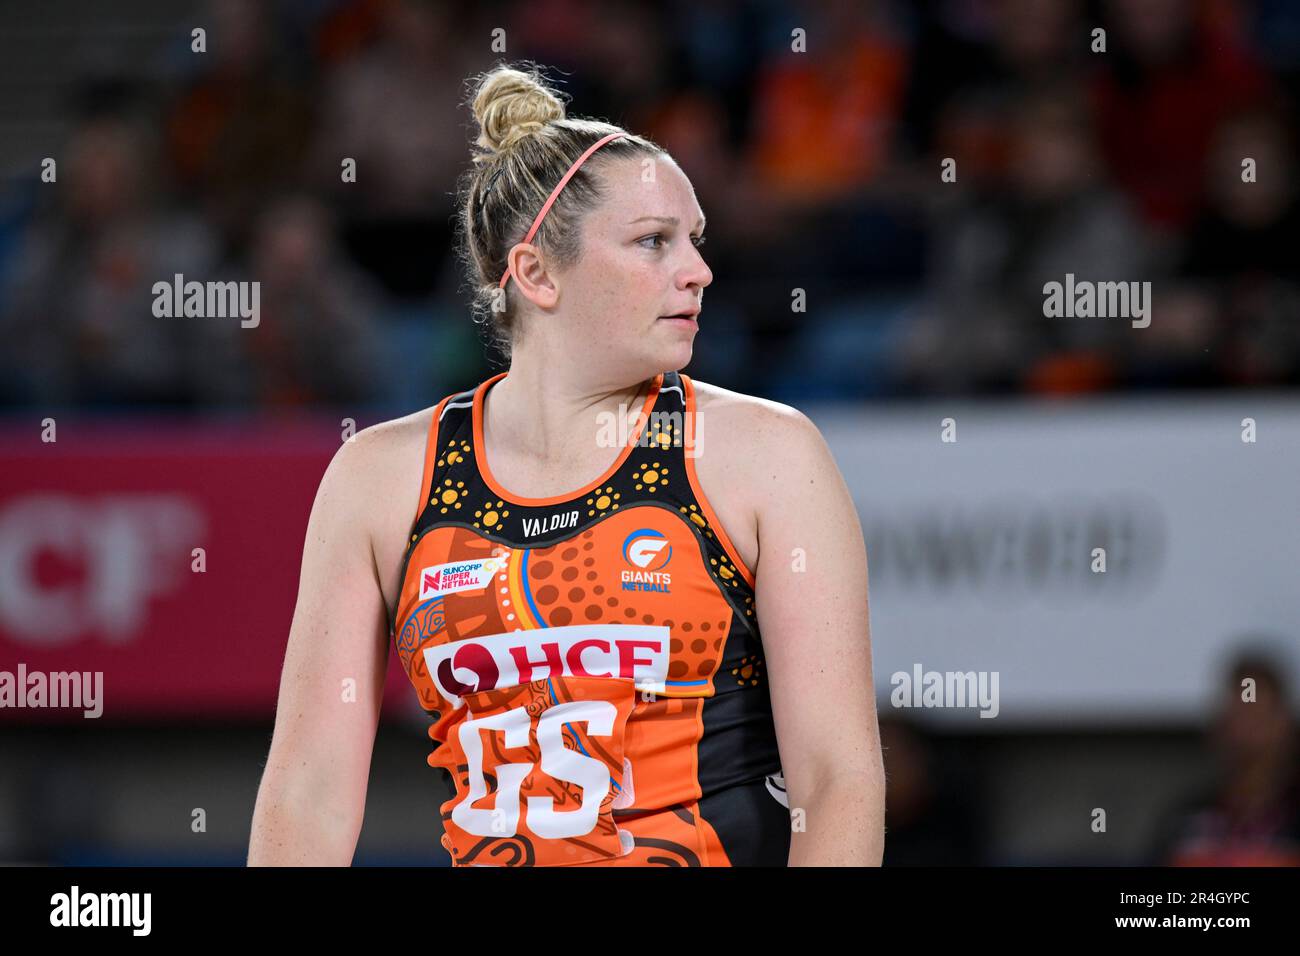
(547, 413)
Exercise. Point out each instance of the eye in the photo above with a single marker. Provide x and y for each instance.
(697, 240)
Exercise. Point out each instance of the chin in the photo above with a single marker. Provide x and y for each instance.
(670, 347)
(674, 357)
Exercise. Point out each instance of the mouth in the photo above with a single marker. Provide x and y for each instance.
(690, 317)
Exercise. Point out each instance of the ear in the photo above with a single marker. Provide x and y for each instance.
(528, 271)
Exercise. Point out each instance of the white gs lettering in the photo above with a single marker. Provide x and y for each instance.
(557, 760)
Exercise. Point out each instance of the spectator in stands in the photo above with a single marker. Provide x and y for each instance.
(80, 328)
(392, 107)
(1170, 74)
(237, 133)
(972, 62)
(1249, 813)
(318, 341)
(824, 121)
(995, 248)
(1244, 250)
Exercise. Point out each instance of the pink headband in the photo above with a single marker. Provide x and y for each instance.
(556, 191)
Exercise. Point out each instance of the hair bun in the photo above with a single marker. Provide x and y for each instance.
(510, 105)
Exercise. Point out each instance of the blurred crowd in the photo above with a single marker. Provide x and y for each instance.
(1241, 808)
(819, 169)
(1246, 809)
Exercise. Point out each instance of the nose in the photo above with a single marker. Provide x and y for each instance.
(696, 272)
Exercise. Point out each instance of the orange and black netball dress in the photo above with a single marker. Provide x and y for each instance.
(591, 662)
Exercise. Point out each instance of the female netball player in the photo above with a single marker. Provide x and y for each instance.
(633, 605)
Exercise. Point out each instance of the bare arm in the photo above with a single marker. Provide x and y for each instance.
(811, 596)
(313, 793)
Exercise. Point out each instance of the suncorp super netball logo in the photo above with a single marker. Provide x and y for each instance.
(638, 653)
(647, 550)
(458, 576)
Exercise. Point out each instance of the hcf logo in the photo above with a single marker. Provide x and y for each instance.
(634, 652)
(647, 549)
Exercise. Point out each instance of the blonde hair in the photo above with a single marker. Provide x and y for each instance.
(525, 146)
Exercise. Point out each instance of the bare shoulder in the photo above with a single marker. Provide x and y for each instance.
(749, 453)
(388, 442)
(749, 426)
(377, 471)
(372, 455)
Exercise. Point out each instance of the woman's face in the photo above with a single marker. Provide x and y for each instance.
(639, 263)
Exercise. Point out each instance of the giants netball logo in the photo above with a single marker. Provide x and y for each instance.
(634, 652)
(647, 550)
